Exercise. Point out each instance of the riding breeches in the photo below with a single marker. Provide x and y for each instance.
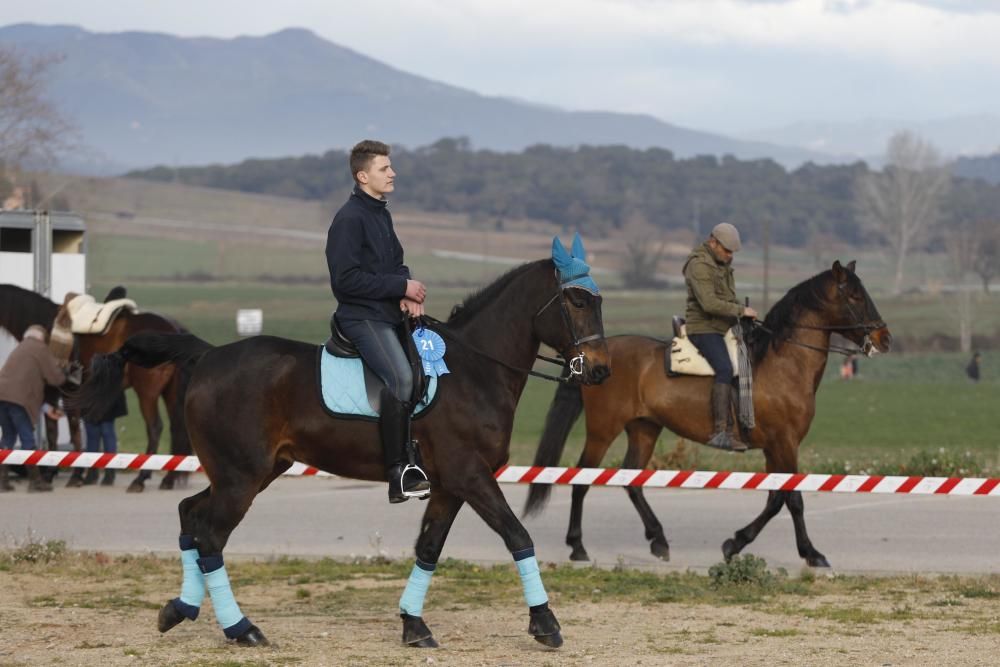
(713, 348)
(380, 347)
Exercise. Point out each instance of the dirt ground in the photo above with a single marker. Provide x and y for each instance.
(64, 619)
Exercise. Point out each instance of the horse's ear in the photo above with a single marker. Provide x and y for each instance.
(850, 267)
(838, 271)
(578, 250)
(561, 258)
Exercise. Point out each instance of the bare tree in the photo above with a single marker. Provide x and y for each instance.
(986, 258)
(903, 201)
(642, 258)
(31, 130)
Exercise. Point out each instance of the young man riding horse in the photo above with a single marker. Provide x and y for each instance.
(712, 309)
(374, 293)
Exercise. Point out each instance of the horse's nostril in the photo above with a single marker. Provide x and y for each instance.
(601, 373)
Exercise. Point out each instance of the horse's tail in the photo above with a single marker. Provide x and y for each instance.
(96, 396)
(566, 407)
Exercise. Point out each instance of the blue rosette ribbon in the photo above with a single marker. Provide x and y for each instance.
(431, 348)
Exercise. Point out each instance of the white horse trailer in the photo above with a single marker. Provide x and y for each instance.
(44, 252)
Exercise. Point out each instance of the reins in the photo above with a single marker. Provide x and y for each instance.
(446, 333)
(574, 365)
(868, 328)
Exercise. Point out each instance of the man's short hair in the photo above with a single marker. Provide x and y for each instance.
(363, 153)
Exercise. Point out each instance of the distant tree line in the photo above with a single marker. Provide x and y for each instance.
(593, 189)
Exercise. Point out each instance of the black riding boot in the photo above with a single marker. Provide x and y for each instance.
(721, 405)
(35, 481)
(91, 476)
(109, 477)
(5, 484)
(394, 430)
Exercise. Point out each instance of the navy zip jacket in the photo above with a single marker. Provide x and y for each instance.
(365, 259)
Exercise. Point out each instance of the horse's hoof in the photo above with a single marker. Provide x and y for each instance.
(136, 487)
(416, 633)
(552, 641)
(167, 484)
(169, 617)
(544, 627)
(253, 637)
(729, 549)
(579, 553)
(819, 560)
(74, 482)
(660, 549)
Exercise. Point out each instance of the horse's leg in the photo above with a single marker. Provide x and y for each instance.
(775, 461)
(478, 487)
(193, 518)
(225, 507)
(806, 549)
(154, 428)
(593, 453)
(438, 517)
(642, 437)
(193, 587)
(180, 445)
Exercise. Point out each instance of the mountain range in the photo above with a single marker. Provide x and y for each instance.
(142, 99)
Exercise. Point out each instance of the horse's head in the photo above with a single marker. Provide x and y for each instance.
(570, 322)
(855, 314)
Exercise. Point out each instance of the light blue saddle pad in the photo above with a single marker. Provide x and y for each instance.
(342, 383)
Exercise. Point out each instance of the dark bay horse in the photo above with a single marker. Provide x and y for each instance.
(789, 355)
(253, 408)
(20, 308)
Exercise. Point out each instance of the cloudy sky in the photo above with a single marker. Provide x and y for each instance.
(723, 65)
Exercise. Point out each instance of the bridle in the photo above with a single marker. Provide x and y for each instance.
(574, 364)
(867, 347)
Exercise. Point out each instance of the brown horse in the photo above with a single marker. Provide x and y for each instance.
(20, 308)
(789, 355)
(253, 408)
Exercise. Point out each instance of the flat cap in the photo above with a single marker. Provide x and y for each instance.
(728, 236)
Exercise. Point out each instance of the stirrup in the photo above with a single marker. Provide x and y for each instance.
(422, 488)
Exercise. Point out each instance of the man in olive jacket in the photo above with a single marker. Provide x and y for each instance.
(22, 383)
(712, 309)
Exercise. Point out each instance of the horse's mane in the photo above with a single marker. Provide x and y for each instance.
(807, 295)
(20, 308)
(475, 302)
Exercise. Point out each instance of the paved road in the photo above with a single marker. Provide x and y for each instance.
(342, 518)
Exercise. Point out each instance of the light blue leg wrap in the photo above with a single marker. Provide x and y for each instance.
(412, 602)
(227, 612)
(531, 579)
(193, 587)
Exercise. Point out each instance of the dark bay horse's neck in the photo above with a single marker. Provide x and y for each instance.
(783, 370)
(504, 329)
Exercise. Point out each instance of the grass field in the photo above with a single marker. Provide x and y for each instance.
(901, 413)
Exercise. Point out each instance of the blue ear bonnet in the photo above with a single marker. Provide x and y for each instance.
(573, 270)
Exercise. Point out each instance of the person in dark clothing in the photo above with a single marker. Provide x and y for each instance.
(374, 293)
(104, 430)
(712, 309)
(972, 370)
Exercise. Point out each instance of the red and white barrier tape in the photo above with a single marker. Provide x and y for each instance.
(670, 479)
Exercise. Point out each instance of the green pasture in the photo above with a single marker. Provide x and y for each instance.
(906, 409)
